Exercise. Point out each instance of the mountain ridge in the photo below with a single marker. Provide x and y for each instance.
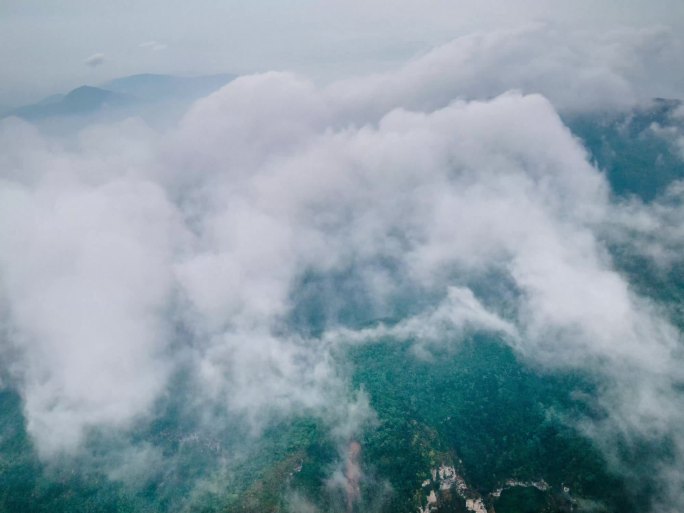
(128, 91)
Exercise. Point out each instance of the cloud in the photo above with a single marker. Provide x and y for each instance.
(95, 60)
(459, 314)
(576, 70)
(127, 254)
(653, 231)
(93, 344)
(153, 46)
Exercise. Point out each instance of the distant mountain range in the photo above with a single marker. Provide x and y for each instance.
(155, 87)
(126, 92)
(82, 100)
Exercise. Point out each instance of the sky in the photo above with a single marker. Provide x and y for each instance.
(52, 47)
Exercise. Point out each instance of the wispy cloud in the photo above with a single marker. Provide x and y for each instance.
(153, 46)
(95, 60)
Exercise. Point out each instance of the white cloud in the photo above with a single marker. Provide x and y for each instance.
(94, 60)
(459, 315)
(576, 70)
(153, 46)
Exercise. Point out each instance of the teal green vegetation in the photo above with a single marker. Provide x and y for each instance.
(637, 161)
(478, 407)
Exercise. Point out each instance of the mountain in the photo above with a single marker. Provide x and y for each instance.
(80, 101)
(155, 87)
(132, 95)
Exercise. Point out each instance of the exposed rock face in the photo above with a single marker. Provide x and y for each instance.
(540, 485)
(476, 505)
(446, 479)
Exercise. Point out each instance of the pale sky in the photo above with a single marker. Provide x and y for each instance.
(48, 47)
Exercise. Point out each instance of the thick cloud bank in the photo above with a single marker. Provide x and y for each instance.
(127, 254)
(576, 70)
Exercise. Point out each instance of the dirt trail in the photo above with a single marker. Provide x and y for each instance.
(352, 473)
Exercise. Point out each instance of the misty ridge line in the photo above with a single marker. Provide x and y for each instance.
(116, 238)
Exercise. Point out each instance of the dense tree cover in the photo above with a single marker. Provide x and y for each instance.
(527, 500)
(188, 478)
(478, 407)
(637, 160)
(473, 405)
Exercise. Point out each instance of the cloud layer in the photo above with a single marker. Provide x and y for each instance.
(126, 254)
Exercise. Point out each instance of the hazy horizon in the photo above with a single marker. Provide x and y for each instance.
(49, 49)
